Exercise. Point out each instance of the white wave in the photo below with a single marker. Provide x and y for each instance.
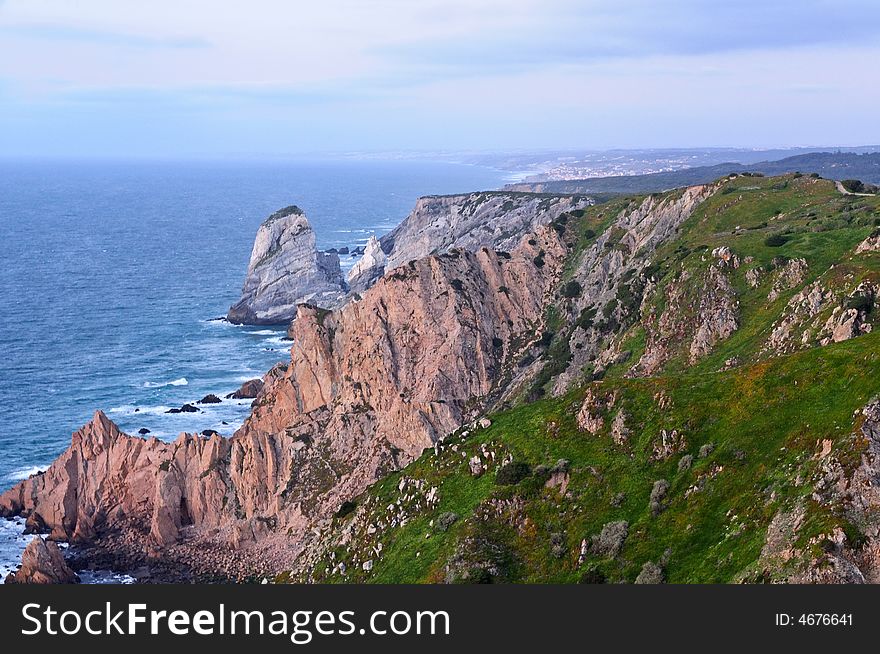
(263, 332)
(24, 473)
(131, 409)
(174, 382)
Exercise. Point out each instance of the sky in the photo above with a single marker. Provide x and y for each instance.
(288, 77)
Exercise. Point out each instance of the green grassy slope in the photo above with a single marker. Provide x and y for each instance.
(763, 423)
(753, 432)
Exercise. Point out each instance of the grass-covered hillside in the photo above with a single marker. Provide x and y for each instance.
(728, 436)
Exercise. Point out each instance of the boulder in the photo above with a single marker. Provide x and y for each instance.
(42, 563)
(248, 391)
(210, 398)
(186, 408)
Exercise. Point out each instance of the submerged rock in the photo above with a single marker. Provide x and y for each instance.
(186, 408)
(286, 270)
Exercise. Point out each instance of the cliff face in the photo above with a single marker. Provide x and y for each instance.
(496, 220)
(368, 388)
(688, 288)
(369, 268)
(285, 270)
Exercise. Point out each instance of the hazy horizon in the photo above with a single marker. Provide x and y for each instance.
(272, 78)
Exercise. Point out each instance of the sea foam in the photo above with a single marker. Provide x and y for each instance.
(174, 382)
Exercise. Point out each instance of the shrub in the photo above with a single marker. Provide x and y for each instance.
(512, 473)
(572, 289)
(589, 234)
(497, 342)
(610, 541)
(775, 240)
(585, 320)
(446, 520)
(658, 494)
(592, 576)
(860, 302)
(853, 185)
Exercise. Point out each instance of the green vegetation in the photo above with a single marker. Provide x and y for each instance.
(536, 498)
(716, 514)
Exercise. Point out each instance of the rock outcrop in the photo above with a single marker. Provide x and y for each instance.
(369, 268)
(42, 563)
(286, 270)
(496, 220)
(249, 390)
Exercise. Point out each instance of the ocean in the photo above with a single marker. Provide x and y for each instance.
(114, 272)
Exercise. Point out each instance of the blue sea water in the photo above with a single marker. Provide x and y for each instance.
(110, 274)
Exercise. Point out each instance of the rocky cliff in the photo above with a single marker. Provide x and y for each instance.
(368, 388)
(496, 220)
(42, 563)
(369, 268)
(285, 270)
(631, 349)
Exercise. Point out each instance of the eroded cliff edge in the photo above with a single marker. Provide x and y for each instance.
(367, 389)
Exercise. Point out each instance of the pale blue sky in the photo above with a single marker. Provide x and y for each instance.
(214, 77)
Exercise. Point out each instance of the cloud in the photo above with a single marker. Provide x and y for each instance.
(586, 33)
(55, 33)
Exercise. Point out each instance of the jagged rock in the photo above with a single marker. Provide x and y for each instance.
(496, 220)
(870, 244)
(610, 541)
(754, 277)
(286, 270)
(718, 316)
(726, 257)
(685, 462)
(143, 431)
(667, 443)
(619, 431)
(590, 416)
(368, 388)
(210, 398)
(706, 450)
(42, 563)
(801, 308)
(249, 390)
(369, 268)
(788, 276)
(701, 311)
